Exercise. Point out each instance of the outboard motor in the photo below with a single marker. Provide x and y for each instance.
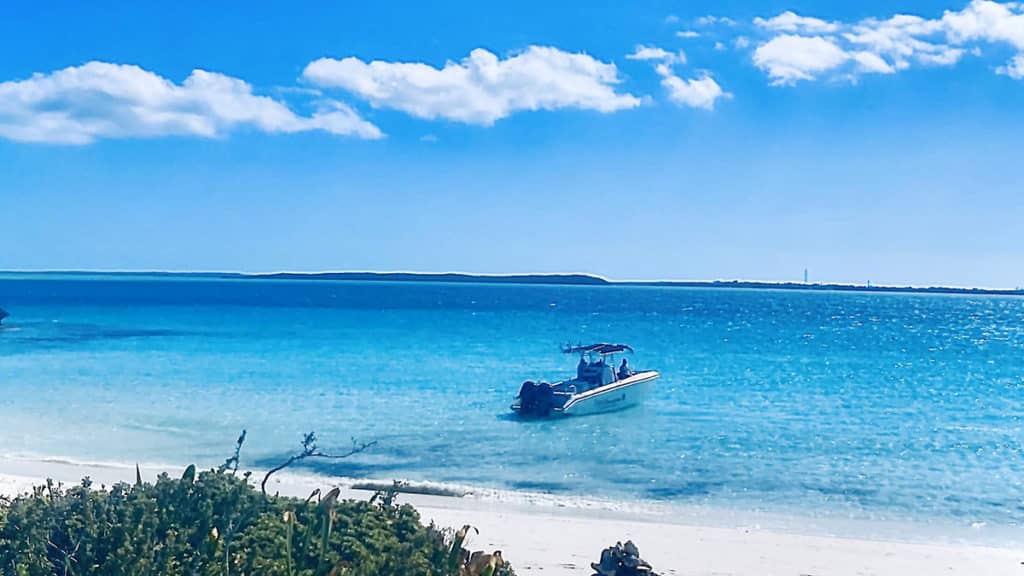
(545, 399)
(536, 399)
(527, 397)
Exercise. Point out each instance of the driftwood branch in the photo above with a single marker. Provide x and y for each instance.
(311, 450)
(231, 464)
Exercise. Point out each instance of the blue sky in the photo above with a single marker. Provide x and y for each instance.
(636, 140)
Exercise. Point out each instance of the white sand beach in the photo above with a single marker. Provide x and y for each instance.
(551, 541)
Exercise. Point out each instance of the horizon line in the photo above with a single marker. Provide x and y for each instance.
(500, 275)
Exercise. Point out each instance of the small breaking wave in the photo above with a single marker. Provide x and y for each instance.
(85, 465)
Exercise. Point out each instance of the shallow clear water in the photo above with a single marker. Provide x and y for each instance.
(903, 407)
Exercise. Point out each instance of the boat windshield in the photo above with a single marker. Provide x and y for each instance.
(598, 364)
(595, 370)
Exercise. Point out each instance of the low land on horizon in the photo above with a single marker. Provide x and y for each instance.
(538, 279)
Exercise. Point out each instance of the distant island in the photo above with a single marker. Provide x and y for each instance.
(589, 280)
(531, 279)
(454, 277)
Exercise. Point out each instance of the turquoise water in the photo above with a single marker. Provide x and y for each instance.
(869, 406)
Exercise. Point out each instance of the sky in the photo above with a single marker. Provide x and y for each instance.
(862, 141)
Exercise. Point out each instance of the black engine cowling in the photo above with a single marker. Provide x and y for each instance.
(536, 399)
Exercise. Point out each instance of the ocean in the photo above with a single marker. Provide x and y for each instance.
(824, 405)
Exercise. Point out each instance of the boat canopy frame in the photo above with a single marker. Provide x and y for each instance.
(600, 349)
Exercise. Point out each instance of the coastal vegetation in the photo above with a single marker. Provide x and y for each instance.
(217, 523)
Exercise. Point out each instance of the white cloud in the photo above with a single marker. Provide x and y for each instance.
(700, 92)
(428, 138)
(481, 88)
(741, 43)
(671, 19)
(993, 22)
(719, 46)
(80, 104)
(945, 56)
(789, 58)
(790, 21)
(694, 93)
(871, 62)
(658, 54)
(1014, 68)
(900, 39)
(989, 21)
(688, 34)
(805, 48)
(713, 20)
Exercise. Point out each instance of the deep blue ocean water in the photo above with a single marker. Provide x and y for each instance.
(859, 405)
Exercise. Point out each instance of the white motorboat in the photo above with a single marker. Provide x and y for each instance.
(598, 386)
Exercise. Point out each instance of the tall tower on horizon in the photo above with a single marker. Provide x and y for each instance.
(805, 275)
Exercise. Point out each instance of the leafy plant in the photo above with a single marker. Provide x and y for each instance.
(215, 523)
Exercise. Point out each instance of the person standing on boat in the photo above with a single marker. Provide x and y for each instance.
(624, 370)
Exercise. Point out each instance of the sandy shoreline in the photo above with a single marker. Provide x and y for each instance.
(560, 542)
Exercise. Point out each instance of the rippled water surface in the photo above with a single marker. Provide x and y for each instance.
(862, 405)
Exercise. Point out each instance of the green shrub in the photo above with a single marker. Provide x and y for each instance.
(216, 523)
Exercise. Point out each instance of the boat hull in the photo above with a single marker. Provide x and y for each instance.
(612, 397)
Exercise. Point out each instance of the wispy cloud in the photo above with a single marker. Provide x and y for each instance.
(643, 52)
(806, 48)
(1014, 68)
(80, 104)
(687, 34)
(790, 21)
(789, 58)
(481, 88)
(710, 20)
(702, 92)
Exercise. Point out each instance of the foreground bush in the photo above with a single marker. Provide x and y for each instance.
(217, 524)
